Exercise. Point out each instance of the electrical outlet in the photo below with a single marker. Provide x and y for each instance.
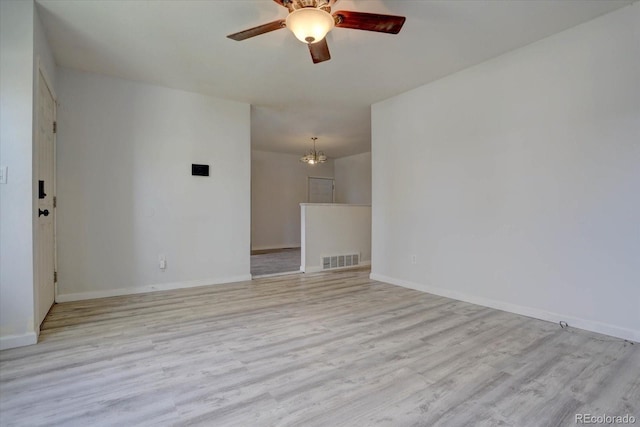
(414, 259)
(162, 262)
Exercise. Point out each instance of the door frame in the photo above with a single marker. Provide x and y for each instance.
(333, 187)
(47, 80)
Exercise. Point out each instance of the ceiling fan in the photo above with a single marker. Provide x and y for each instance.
(311, 20)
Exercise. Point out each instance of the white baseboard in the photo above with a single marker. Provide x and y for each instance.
(13, 341)
(318, 268)
(149, 288)
(586, 324)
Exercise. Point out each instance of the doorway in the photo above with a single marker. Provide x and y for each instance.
(46, 200)
(279, 184)
(320, 190)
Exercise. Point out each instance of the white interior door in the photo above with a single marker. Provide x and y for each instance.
(45, 188)
(320, 190)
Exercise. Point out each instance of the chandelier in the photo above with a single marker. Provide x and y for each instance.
(313, 156)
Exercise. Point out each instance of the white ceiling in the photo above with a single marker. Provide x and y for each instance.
(182, 44)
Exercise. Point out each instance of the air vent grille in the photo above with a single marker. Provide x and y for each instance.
(340, 261)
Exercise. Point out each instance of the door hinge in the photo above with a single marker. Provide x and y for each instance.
(55, 127)
(55, 202)
(55, 277)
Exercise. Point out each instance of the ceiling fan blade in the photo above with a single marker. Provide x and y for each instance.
(369, 21)
(319, 51)
(256, 31)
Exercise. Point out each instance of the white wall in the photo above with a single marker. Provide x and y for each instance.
(334, 229)
(278, 186)
(16, 152)
(516, 182)
(353, 179)
(44, 57)
(125, 191)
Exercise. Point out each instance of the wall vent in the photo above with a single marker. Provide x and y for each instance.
(340, 261)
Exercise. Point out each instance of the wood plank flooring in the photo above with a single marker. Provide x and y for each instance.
(329, 349)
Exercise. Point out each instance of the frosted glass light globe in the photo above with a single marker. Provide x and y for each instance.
(310, 25)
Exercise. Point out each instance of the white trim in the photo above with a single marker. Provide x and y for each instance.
(149, 288)
(13, 341)
(333, 189)
(318, 268)
(47, 80)
(589, 325)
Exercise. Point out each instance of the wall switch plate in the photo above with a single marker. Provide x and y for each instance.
(3, 174)
(162, 262)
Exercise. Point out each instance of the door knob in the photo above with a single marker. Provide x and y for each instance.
(43, 212)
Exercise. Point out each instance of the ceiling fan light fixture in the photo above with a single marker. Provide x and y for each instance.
(310, 25)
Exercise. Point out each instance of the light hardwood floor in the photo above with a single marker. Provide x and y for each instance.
(328, 349)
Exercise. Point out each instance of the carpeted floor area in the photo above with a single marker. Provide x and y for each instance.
(275, 261)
